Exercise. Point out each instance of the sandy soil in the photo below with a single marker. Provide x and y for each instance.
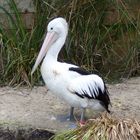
(38, 108)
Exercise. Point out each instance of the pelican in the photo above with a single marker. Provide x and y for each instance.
(71, 83)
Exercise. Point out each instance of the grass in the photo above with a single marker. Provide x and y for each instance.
(105, 127)
(108, 48)
(19, 46)
(105, 34)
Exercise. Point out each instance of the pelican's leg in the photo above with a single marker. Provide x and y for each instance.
(82, 119)
(68, 117)
(71, 114)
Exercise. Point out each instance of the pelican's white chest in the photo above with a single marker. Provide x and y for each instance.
(54, 76)
(49, 71)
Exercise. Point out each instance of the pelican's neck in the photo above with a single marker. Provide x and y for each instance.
(54, 50)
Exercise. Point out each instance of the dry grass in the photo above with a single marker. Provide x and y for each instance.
(105, 127)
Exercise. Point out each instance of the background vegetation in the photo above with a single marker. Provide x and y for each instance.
(104, 37)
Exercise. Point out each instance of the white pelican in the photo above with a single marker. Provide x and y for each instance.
(71, 83)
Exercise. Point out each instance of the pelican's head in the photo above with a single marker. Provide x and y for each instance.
(57, 28)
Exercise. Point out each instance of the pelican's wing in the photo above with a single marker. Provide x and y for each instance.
(91, 87)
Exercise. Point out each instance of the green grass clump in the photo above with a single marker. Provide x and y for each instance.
(104, 37)
(20, 46)
(105, 127)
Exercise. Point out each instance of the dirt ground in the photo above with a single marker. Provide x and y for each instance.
(37, 108)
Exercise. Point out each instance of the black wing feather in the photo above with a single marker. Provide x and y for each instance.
(104, 98)
(79, 70)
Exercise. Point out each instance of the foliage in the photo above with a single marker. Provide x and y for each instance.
(20, 46)
(106, 44)
(105, 127)
(104, 37)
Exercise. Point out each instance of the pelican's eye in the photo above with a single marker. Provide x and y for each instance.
(51, 28)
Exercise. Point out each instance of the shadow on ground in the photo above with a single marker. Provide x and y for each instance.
(36, 134)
